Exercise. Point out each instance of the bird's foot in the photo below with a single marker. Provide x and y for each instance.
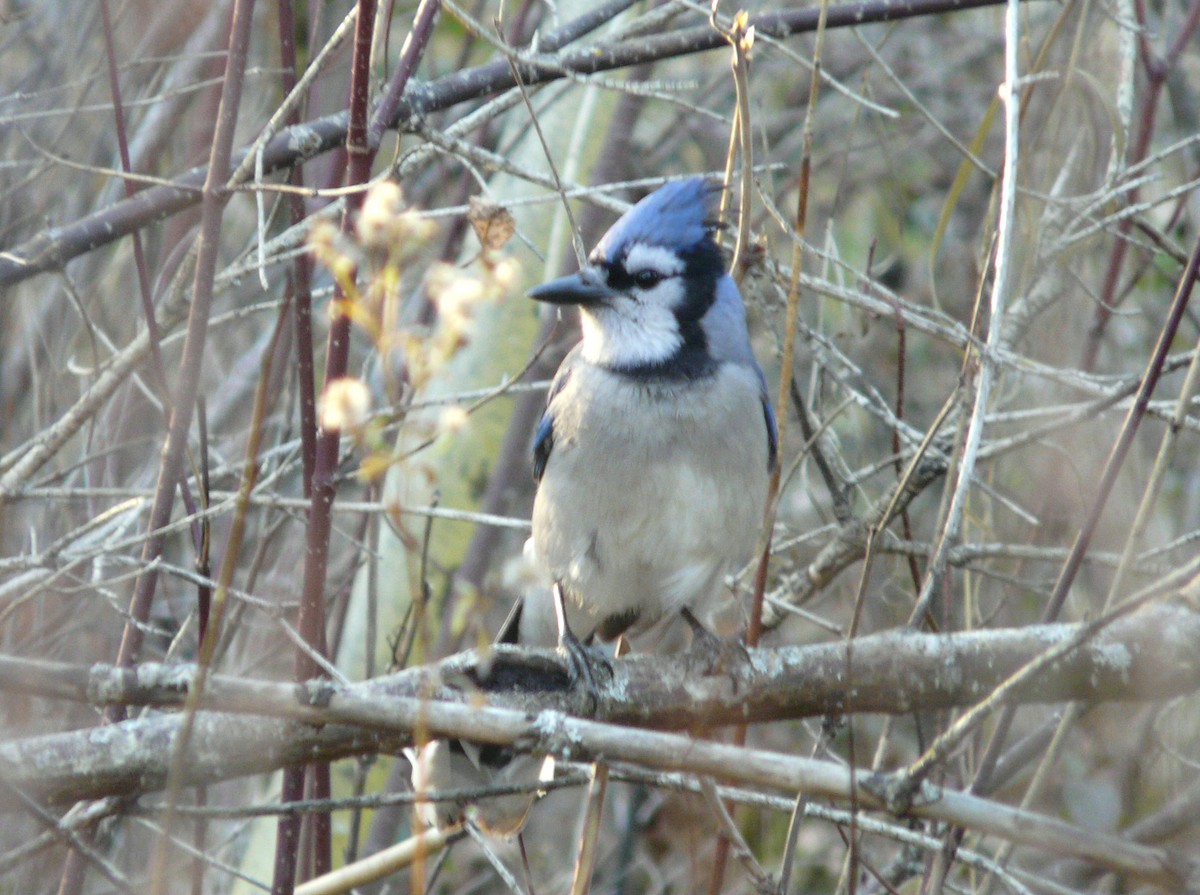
(585, 665)
(711, 655)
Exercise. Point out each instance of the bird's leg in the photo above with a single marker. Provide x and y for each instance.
(710, 653)
(582, 663)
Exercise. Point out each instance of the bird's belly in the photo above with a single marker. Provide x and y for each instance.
(641, 527)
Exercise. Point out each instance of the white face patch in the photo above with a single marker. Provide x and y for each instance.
(647, 257)
(638, 325)
(628, 333)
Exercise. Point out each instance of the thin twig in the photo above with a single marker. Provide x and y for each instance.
(54, 248)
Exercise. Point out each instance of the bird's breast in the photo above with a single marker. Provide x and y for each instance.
(604, 413)
(648, 481)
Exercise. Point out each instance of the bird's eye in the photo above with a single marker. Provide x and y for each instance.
(647, 279)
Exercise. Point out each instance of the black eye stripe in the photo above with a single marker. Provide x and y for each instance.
(620, 278)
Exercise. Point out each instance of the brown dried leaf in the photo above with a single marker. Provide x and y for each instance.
(493, 223)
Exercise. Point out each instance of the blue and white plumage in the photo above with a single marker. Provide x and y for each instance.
(652, 459)
(656, 447)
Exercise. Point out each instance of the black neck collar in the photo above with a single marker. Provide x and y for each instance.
(690, 361)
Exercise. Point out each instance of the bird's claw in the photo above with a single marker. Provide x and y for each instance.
(585, 666)
(582, 663)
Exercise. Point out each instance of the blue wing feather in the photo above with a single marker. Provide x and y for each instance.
(772, 433)
(543, 443)
(543, 439)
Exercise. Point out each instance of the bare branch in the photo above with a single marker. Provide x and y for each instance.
(1147, 656)
(54, 248)
(1150, 655)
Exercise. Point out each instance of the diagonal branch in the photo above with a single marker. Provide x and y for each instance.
(53, 248)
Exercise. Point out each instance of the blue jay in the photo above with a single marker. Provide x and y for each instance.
(656, 447)
(652, 460)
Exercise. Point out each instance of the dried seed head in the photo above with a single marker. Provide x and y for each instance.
(453, 419)
(345, 406)
(505, 273)
(455, 293)
(381, 211)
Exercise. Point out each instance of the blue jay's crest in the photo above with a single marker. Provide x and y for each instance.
(678, 215)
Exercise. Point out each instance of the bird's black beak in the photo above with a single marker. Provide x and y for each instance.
(584, 288)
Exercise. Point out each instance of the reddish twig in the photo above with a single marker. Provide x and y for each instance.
(299, 277)
(1129, 428)
(145, 292)
(1157, 70)
(786, 366)
(410, 55)
(171, 465)
(311, 621)
(901, 362)
(299, 290)
(139, 257)
(1112, 466)
(212, 209)
(203, 611)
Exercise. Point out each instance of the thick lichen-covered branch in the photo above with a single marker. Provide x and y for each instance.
(256, 726)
